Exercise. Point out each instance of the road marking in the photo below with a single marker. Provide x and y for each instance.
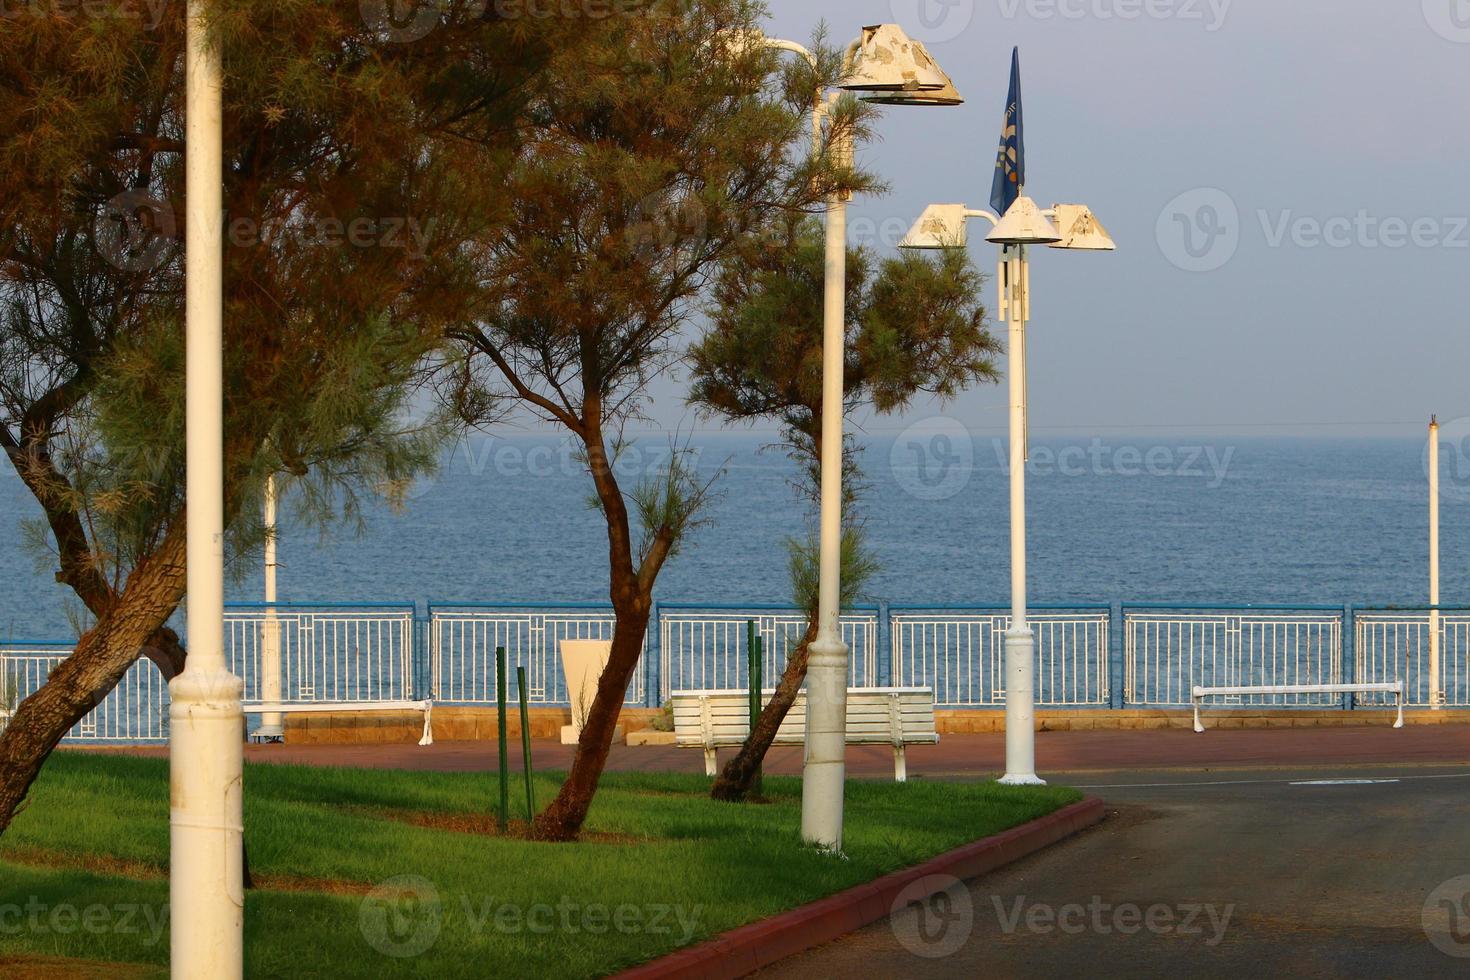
(1245, 782)
(1344, 782)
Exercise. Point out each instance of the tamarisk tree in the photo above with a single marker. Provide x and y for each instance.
(360, 157)
(653, 155)
(914, 327)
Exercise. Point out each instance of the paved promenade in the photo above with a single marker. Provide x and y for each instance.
(1358, 872)
(961, 756)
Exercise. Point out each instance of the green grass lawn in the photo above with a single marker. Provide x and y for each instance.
(82, 869)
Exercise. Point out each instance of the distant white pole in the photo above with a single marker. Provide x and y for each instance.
(1436, 696)
(272, 724)
(1020, 641)
(206, 897)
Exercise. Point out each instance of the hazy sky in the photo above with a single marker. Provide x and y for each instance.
(1286, 180)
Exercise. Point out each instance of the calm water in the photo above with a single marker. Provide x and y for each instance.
(1189, 520)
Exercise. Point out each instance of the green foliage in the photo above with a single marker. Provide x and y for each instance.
(670, 502)
(359, 167)
(651, 157)
(803, 563)
(914, 325)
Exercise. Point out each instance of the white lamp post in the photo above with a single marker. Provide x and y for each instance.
(1436, 695)
(206, 892)
(272, 724)
(895, 70)
(944, 226)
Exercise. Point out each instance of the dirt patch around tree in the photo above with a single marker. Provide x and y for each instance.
(51, 968)
(115, 867)
(488, 825)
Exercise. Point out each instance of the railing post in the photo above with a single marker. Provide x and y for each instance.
(1349, 652)
(884, 654)
(652, 660)
(425, 655)
(1116, 673)
(415, 647)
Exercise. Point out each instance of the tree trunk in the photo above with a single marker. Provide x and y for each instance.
(165, 650)
(738, 779)
(102, 656)
(563, 819)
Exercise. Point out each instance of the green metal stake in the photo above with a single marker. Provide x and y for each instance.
(753, 671)
(504, 771)
(526, 743)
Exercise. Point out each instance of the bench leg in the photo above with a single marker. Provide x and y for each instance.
(709, 762)
(428, 738)
(1400, 722)
(1198, 725)
(900, 764)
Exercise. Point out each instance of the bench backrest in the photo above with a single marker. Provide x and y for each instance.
(888, 715)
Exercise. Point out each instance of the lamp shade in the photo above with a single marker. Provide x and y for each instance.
(888, 60)
(940, 226)
(1024, 224)
(947, 96)
(1080, 229)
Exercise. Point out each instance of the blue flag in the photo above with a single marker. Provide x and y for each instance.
(1010, 162)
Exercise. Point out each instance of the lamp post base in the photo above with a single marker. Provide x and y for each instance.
(206, 857)
(824, 768)
(1020, 709)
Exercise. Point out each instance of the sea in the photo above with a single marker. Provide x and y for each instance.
(1207, 521)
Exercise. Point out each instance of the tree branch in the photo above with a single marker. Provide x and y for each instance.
(480, 342)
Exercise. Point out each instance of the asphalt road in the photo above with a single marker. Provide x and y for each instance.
(1208, 874)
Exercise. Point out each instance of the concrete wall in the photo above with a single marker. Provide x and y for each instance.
(479, 724)
(450, 725)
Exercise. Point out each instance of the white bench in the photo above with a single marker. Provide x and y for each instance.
(1396, 689)
(899, 717)
(346, 708)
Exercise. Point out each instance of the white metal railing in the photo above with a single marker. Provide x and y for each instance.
(1392, 645)
(1168, 652)
(703, 649)
(326, 653)
(376, 654)
(961, 655)
(135, 711)
(463, 640)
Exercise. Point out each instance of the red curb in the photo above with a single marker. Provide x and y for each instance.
(746, 949)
